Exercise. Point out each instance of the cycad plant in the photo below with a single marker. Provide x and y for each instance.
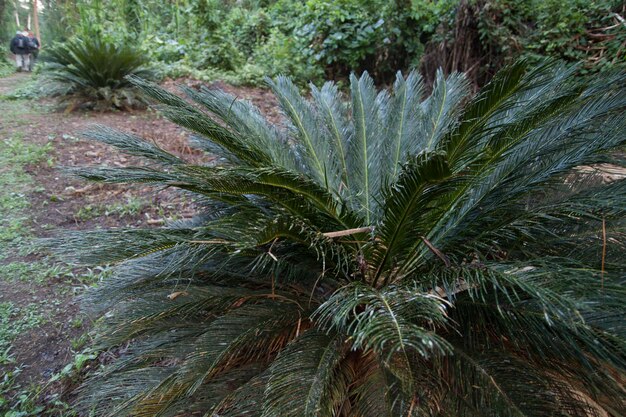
(93, 72)
(386, 255)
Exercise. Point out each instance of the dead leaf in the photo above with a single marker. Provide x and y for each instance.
(177, 294)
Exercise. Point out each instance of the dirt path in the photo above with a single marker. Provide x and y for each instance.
(8, 84)
(44, 337)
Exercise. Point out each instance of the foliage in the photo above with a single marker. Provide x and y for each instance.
(15, 156)
(535, 29)
(94, 71)
(480, 36)
(389, 255)
(585, 31)
(6, 67)
(309, 40)
(340, 34)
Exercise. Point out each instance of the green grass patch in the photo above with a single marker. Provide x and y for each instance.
(14, 321)
(6, 67)
(25, 276)
(28, 90)
(37, 272)
(15, 183)
(131, 207)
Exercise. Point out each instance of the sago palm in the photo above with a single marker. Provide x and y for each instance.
(392, 254)
(94, 71)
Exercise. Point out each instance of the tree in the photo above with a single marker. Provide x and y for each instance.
(36, 19)
(388, 256)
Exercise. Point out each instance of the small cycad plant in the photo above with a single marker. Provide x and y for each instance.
(92, 72)
(393, 254)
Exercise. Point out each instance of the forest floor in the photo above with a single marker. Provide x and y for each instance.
(44, 335)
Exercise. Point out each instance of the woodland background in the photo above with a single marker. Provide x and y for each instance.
(242, 41)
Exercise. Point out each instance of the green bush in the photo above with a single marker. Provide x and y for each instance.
(339, 37)
(163, 49)
(94, 72)
(568, 33)
(314, 39)
(536, 29)
(6, 67)
(394, 255)
(340, 34)
(278, 56)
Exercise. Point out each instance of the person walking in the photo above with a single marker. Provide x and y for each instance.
(33, 47)
(19, 47)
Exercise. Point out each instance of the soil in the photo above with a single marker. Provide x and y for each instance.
(60, 203)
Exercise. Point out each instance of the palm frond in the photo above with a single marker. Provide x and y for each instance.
(301, 375)
(365, 149)
(312, 144)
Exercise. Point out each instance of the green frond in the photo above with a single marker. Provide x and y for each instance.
(402, 122)
(440, 110)
(373, 391)
(386, 321)
(247, 400)
(122, 175)
(249, 334)
(504, 380)
(301, 375)
(365, 147)
(332, 112)
(115, 245)
(180, 112)
(283, 187)
(248, 122)
(131, 144)
(405, 215)
(493, 101)
(314, 146)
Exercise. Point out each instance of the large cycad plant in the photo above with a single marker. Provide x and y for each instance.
(93, 71)
(393, 254)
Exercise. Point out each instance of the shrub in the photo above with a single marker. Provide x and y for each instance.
(481, 36)
(168, 50)
(276, 56)
(584, 31)
(94, 72)
(388, 256)
(6, 67)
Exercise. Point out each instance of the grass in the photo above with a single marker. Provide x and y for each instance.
(38, 272)
(35, 290)
(15, 183)
(14, 321)
(29, 89)
(6, 67)
(131, 207)
(17, 318)
(24, 309)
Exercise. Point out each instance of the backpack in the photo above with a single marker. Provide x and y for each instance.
(21, 43)
(31, 44)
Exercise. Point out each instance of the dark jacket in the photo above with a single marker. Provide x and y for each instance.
(15, 45)
(33, 44)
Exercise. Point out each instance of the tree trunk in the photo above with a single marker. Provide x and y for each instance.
(17, 16)
(36, 20)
